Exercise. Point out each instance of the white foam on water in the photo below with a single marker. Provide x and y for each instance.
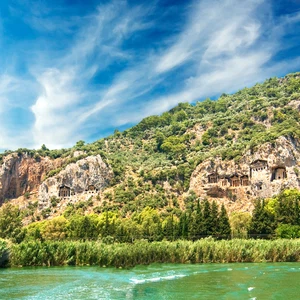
(169, 277)
(229, 269)
(137, 281)
(156, 279)
(251, 288)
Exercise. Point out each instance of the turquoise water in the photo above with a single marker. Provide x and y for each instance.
(157, 281)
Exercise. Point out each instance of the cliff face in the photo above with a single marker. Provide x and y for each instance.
(89, 175)
(259, 174)
(23, 173)
(264, 173)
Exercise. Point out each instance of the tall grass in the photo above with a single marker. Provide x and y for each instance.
(142, 252)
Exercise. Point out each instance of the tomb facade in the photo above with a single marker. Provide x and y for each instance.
(64, 191)
(278, 173)
(213, 178)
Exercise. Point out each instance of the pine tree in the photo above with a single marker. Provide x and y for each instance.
(183, 228)
(262, 220)
(196, 224)
(287, 209)
(169, 228)
(224, 225)
(214, 226)
(206, 214)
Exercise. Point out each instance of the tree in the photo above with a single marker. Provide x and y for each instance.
(169, 228)
(240, 223)
(214, 219)
(181, 116)
(206, 139)
(183, 226)
(11, 223)
(83, 227)
(263, 222)
(44, 148)
(159, 137)
(287, 231)
(196, 223)
(55, 229)
(287, 209)
(206, 209)
(224, 225)
(79, 144)
(151, 224)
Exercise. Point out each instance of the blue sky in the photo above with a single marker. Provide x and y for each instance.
(79, 69)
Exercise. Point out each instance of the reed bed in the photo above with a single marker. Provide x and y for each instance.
(127, 255)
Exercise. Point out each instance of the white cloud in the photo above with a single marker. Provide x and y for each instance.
(60, 109)
(226, 44)
(223, 46)
(214, 26)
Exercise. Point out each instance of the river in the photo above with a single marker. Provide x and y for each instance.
(157, 281)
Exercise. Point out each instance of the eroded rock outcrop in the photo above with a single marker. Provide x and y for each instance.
(264, 173)
(23, 173)
(89, 173)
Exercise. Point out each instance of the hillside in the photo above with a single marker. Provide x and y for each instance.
(233, 150)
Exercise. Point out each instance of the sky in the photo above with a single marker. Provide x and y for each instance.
(75, 70)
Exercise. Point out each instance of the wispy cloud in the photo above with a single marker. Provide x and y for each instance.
(112, 66)
(60, 109)
(224, 46)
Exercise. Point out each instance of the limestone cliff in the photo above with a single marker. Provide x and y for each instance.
(86, 175)
(22, 173)
(263, 173)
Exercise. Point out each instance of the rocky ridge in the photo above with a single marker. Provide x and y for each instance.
(263, 173)
(20, 174)
(89, 174)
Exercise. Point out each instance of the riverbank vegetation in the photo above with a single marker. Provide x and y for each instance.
(206, 219)
(125, 255)
(277, 217)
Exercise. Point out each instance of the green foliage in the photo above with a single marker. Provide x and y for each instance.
(4, 253)
(263, 221)
(240, 223)
(125, 255)
(279, 214)
(287, 231)
(11, 223)
(26, 195)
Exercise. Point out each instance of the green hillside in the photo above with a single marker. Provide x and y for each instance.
(167, 148)
(152, 162)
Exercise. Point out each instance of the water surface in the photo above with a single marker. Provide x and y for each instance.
(157, 281)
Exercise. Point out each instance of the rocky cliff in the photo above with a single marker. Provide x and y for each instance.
(262, 173)
(89, 174)
(23, 173)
